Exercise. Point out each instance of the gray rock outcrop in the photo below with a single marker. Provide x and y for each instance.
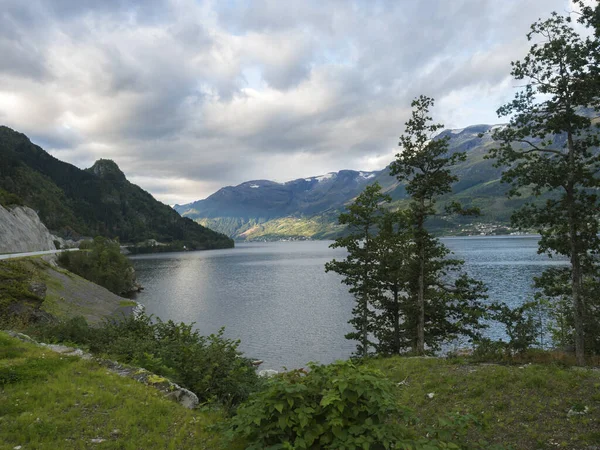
(22, 231)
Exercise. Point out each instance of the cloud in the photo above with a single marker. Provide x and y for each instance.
(188, 96)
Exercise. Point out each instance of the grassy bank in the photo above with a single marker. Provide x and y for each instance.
(65, 294)
(523, 406)
(49, 401)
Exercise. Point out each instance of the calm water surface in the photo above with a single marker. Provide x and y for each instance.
(277, 298)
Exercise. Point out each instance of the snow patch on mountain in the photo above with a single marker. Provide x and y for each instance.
(325, 177)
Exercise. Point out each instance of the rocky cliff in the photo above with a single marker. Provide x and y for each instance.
(22, 231)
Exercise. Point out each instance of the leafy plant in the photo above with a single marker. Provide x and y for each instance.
(210, 366)
(337, 406)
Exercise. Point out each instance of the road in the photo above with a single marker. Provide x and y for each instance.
(25, 255)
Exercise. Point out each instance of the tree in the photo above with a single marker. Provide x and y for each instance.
(395, 309)
(359, 269)
(445, 308)
(590, 15)
(548, 148)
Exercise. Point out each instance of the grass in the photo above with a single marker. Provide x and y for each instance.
(524, 407)
(49, 401)
(124, 303)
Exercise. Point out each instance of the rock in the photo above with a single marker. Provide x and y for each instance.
(68, 351)
(20, 336)
(185, 397)
(22, 231)
(38, 289)
(578, 411)
(29, 313)
(267, 373)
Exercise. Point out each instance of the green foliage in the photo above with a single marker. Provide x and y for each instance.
(15, 278)
(555, 289)
(96, 201)
(521, 326)
(445, 303)
(548, 147)
(337, 406)
(103, 264)
(340, 406)
(359, 269)
(9, 199)
(210, 366)
(86, 244)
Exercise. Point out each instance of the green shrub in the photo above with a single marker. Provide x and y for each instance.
(103, 264)
(339, 406)
(86, 244)
(10, 199)
(210, 366)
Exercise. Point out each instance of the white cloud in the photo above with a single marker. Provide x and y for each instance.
(187, 96)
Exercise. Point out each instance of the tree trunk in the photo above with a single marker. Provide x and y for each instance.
(421, 292)
(365, 334)
(396, 321)
(578, 314)
(365, 305)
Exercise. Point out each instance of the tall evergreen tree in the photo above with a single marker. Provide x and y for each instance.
(548, 147)
(395, 309)
(359, 269)
(447, 303)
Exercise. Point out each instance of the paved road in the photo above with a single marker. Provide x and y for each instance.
(46, 252)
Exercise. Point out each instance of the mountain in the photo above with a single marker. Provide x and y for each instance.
(308, 207)
(94, 201)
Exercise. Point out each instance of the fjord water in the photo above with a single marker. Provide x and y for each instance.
(277, 298)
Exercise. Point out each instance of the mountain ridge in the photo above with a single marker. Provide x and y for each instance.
(94, 201)
(243, 214)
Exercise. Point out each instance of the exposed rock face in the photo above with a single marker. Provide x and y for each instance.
(22, 231)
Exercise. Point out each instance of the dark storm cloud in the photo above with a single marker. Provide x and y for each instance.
(190, 95)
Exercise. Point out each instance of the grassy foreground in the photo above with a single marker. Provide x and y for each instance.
(521, 407)
(49, 401)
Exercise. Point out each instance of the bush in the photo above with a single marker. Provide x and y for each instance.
(337, 406)
(103, 264)
(9, 199)
(210, 366)
(86, 245)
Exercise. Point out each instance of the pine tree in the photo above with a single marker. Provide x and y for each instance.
(359, 269)
(395, 309)
(548, 147)
(447, 303)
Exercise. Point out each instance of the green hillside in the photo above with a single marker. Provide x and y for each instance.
(95, 201)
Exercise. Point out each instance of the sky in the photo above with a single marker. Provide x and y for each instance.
(188, 96)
